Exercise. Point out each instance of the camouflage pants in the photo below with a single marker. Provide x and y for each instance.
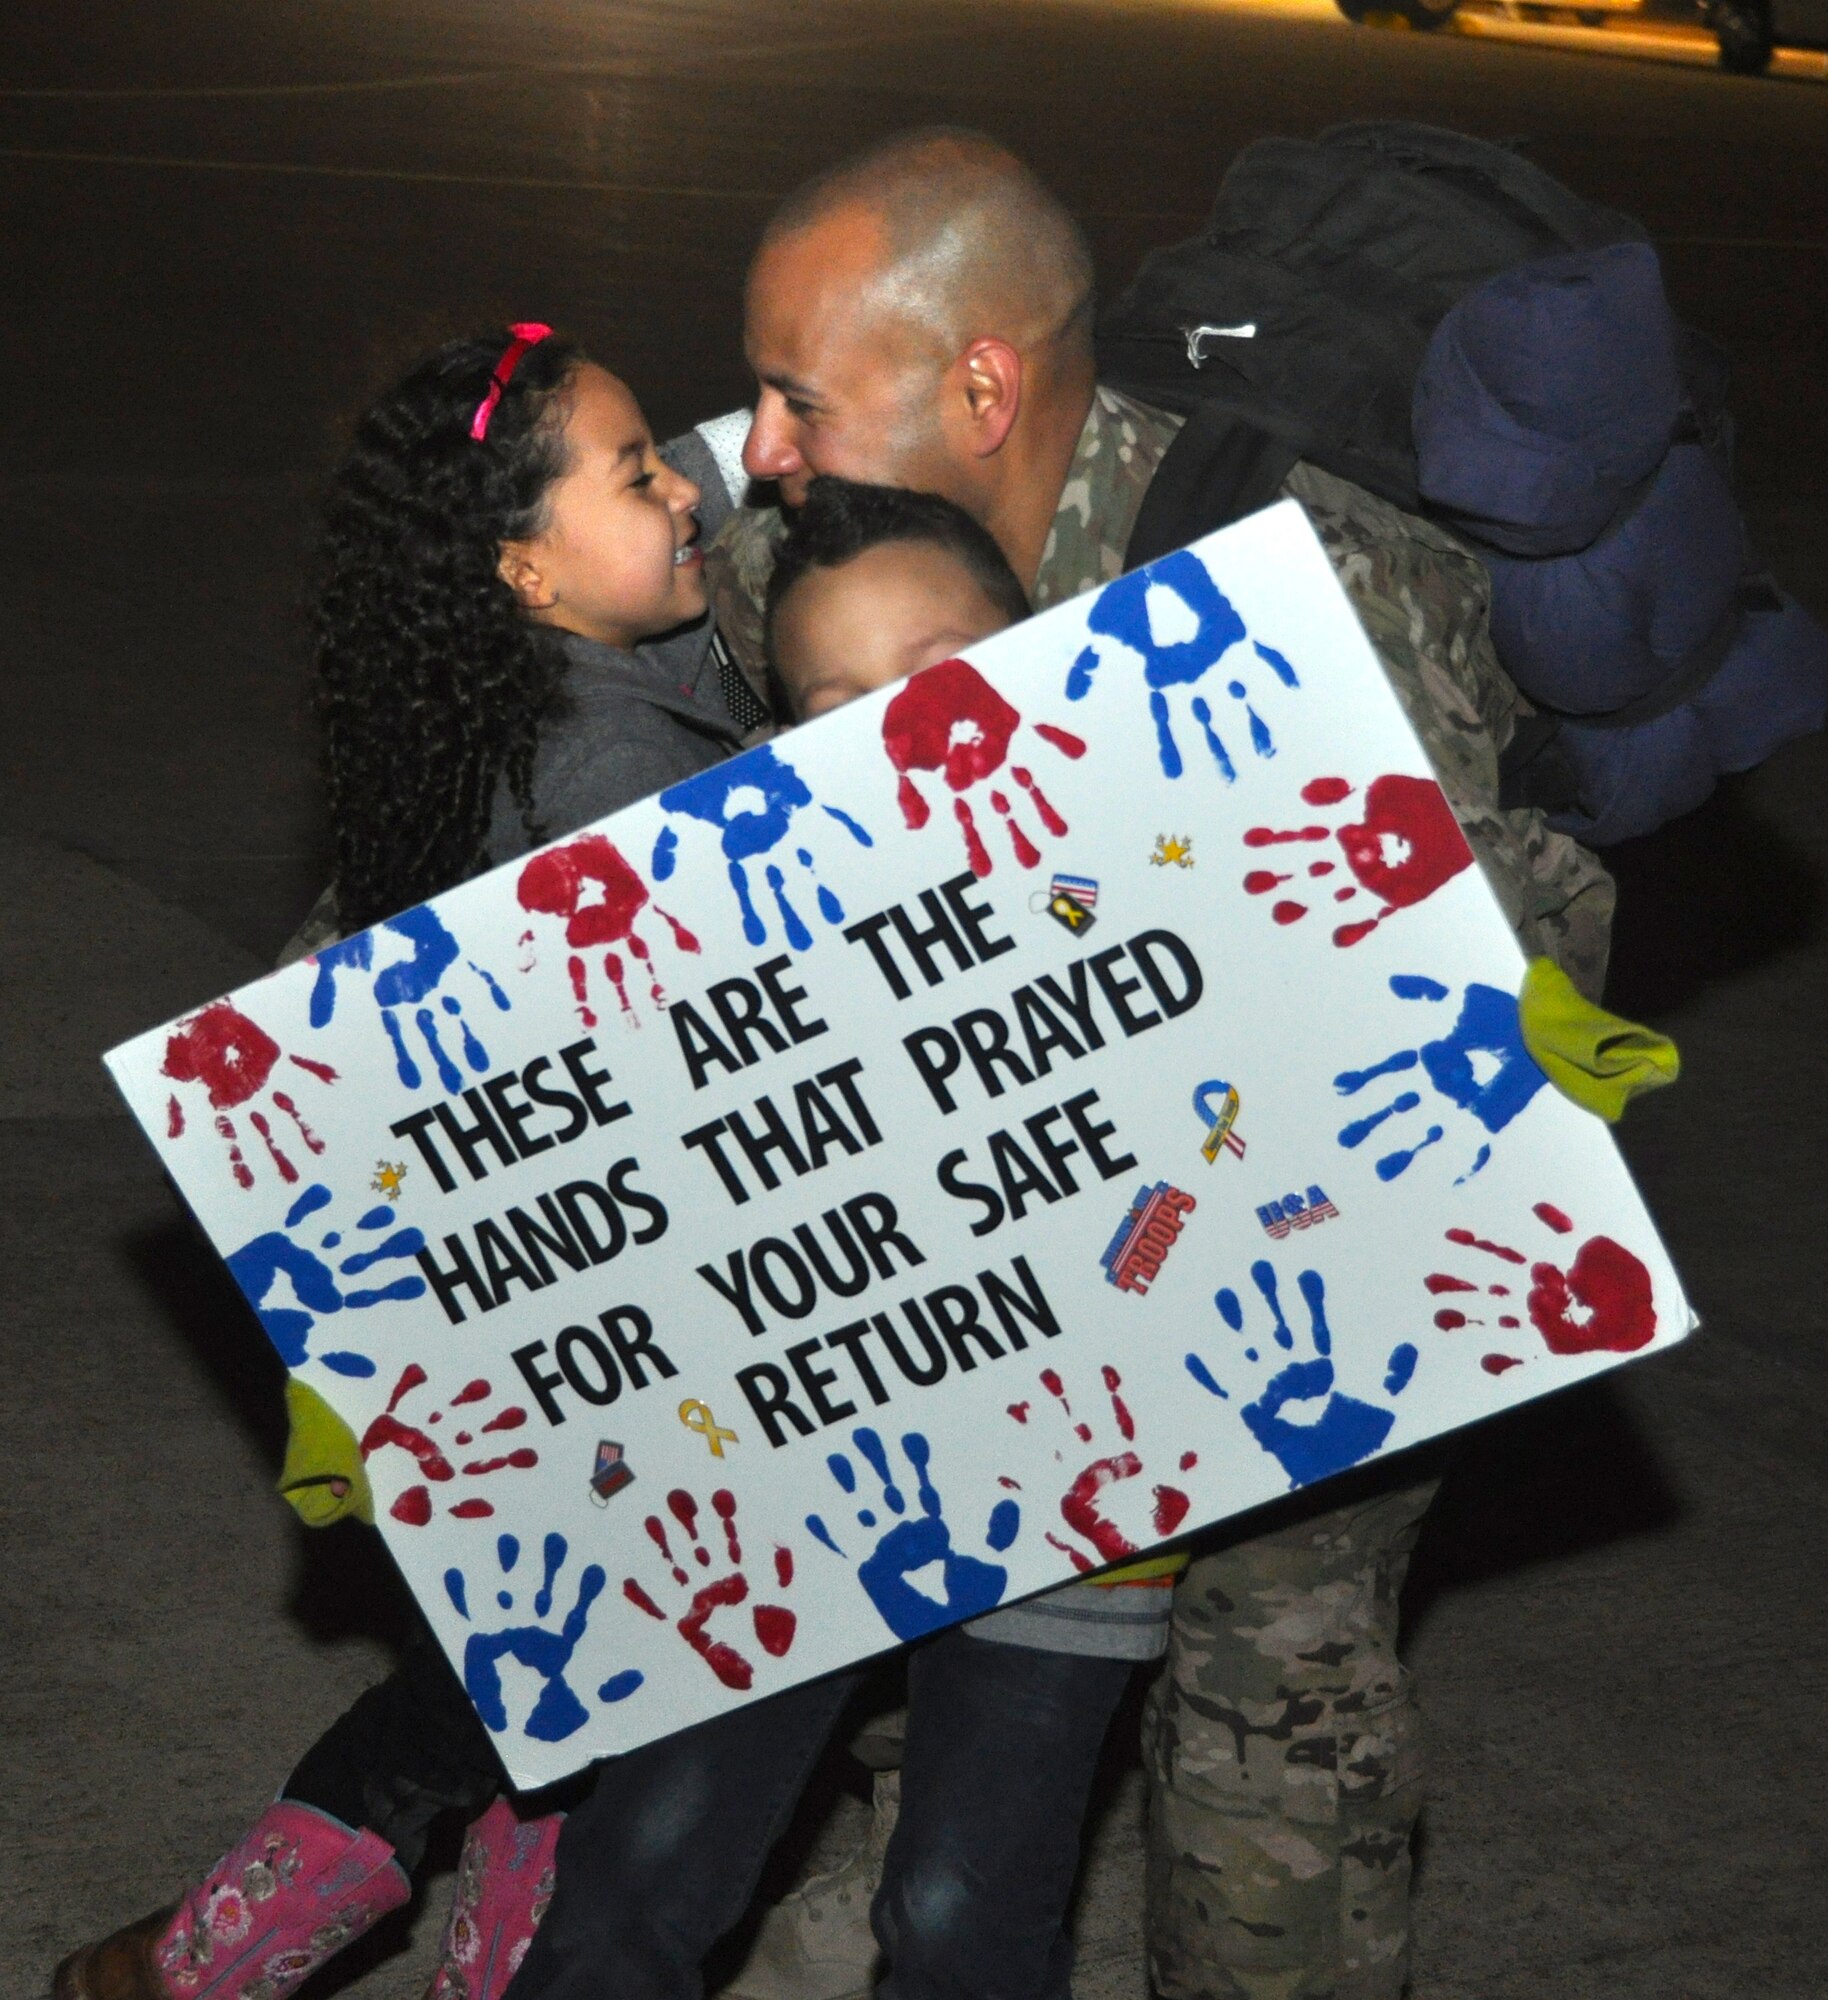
(1284, 1751)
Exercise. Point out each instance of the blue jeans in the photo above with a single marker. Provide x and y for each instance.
(663, 1856)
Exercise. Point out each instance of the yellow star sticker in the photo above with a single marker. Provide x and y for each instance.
(389, 1178)
(1172, 848)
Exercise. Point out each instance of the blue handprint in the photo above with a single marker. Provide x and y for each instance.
(752, 801)
(1346, 1429)
(971, 1586)
(1480, 1065)
(408, 982)
(258, 1264)
(558, 1712)
(1122, 613)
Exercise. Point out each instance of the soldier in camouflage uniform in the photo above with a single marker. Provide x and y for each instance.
(1282, 1737)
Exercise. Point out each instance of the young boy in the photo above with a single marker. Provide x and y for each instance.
(872, 584)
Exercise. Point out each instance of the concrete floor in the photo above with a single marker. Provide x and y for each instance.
(221, 225)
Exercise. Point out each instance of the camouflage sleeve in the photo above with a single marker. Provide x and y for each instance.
(738, 562)
(1422, 599)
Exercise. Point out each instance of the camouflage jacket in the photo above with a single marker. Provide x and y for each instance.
(739, 559)
(1420, 595)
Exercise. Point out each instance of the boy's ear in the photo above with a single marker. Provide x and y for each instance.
(519, 568)
(992, 383)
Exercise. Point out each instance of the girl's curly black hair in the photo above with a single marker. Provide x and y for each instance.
(429, 684)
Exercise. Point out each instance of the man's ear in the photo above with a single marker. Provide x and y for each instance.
(991, 372)
(519, 568)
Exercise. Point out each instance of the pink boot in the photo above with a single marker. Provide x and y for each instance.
(504, 1882)
(287, 1896)
(296, 1889)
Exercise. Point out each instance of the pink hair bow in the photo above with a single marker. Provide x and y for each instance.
(527, 333)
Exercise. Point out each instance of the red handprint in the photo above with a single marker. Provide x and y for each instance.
(1081, 1505)
(414, 1507)
(1450, 1319)
(950, 719)
(1602, 1302)
(1405, 848)
(233, 1058)
(774, 1624)
(593, 887)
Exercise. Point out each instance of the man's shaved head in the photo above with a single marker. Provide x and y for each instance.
(921, 316)
(973, 243)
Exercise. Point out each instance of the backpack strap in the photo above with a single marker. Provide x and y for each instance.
(1534, 768)
(1219, 468)
(1697, 667)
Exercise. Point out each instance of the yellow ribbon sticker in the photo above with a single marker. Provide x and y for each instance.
(697, 1417)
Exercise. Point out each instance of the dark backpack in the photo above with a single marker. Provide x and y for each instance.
(1297, 325)
(1305, 307)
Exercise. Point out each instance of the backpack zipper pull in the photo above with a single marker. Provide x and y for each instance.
(1198, 336)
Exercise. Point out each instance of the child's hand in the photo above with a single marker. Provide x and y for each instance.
(402, 986)
(1125, 616)
(233, 1061)
(764, 812)
(590, 885)
(951, 721)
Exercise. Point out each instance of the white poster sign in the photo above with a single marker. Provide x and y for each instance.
(1064, 1100)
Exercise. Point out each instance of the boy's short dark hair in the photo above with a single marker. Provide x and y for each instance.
(841, 519)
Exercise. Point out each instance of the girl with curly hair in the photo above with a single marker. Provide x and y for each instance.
(511, 641)
(482, 677)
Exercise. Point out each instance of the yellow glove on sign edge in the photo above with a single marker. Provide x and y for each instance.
(323, 1478)
(1152, 1569)
(1599, 1060)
